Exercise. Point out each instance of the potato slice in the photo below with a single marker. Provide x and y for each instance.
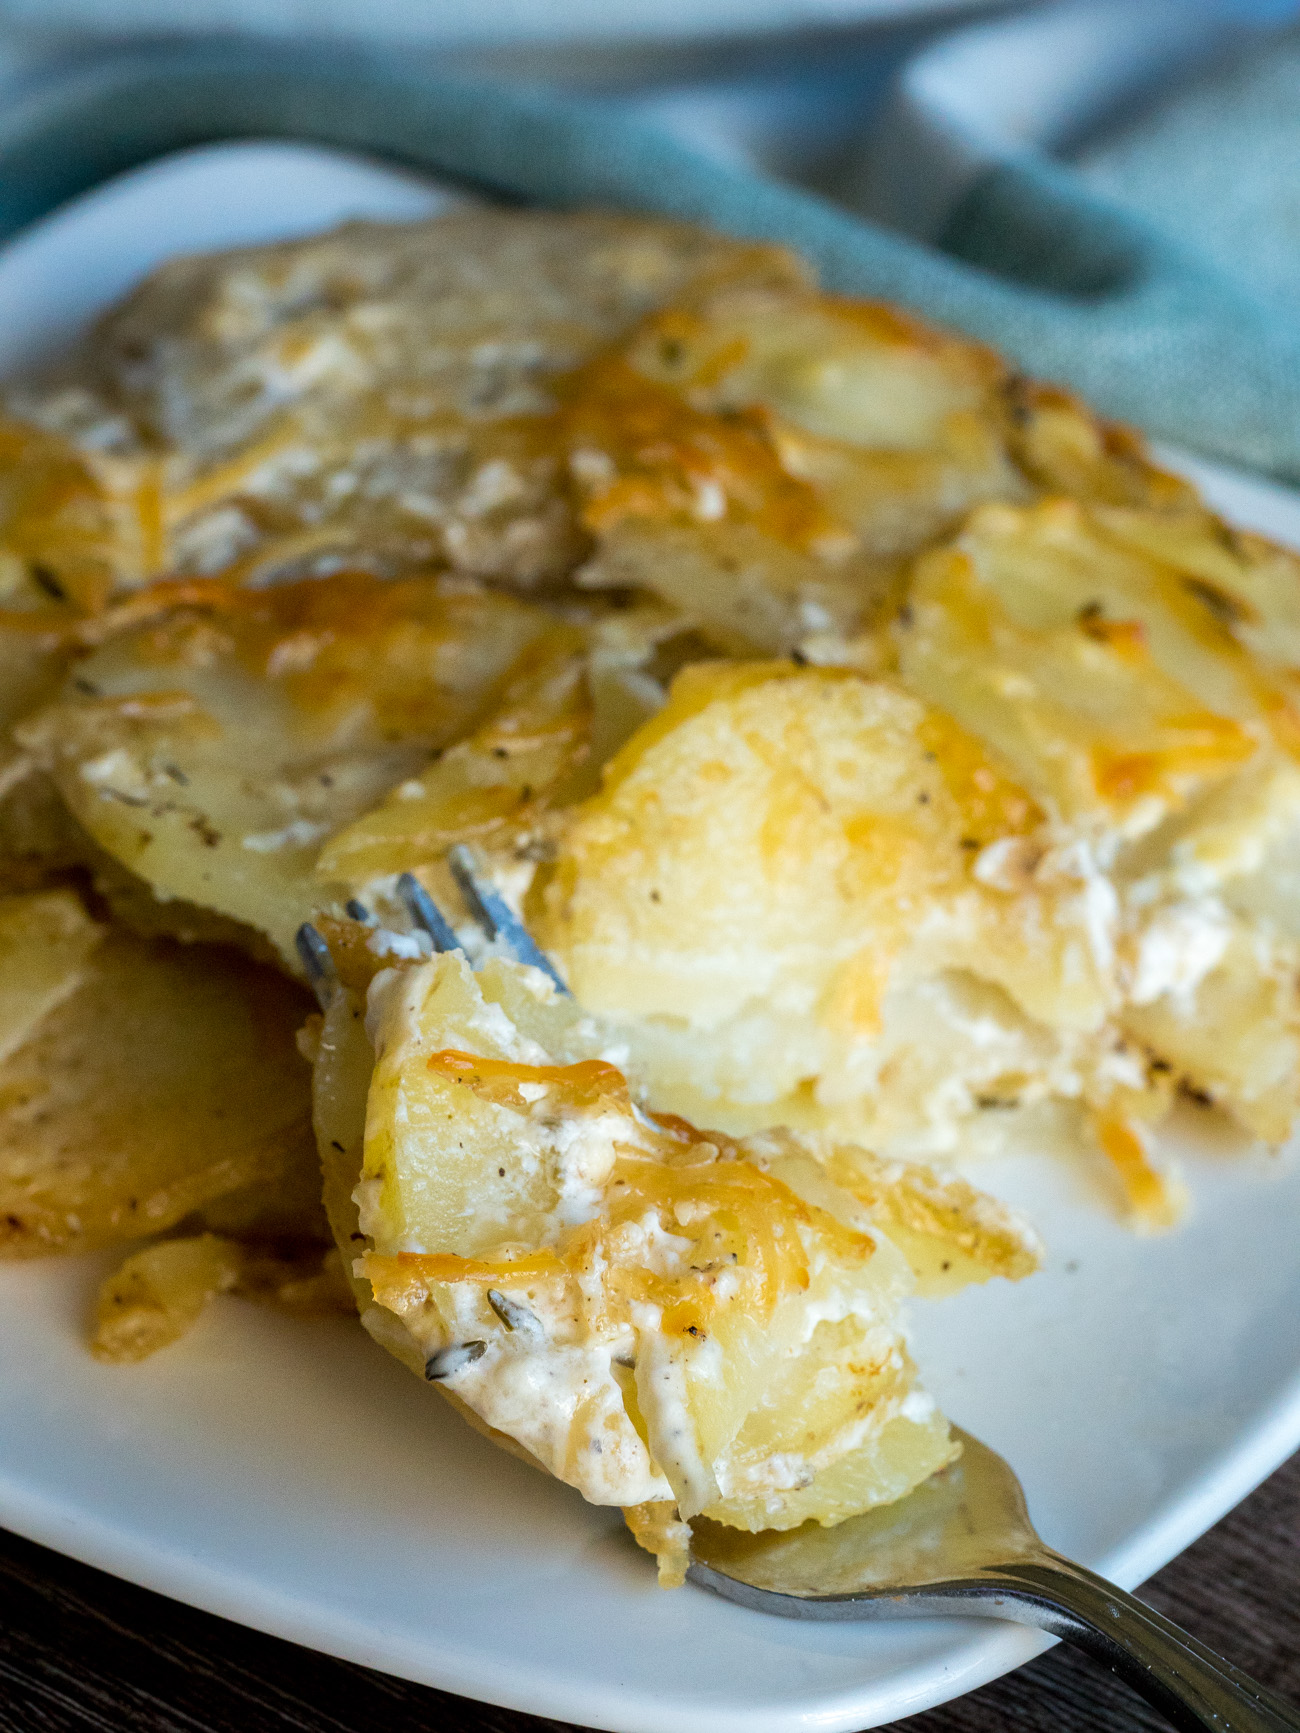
(803, 897)
(356, 394)
(1212, 951)
(39, 625)
(1249, 586)
(165, 1079)
(210, 752)
(763, 457)
(767, 459)
(699, 509)
(1234, 1032)
(897, 424)
(656, 1314)
(1134, 668)
(1065, 449)
(1112, 689)
(951, 1234)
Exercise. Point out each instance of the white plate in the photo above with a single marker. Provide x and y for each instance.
(293, 1477)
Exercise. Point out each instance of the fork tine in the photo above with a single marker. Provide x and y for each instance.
(490, 909)
(318, 963)
(426, 913)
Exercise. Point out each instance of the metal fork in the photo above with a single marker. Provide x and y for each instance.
(962, 1545)
(487, 907)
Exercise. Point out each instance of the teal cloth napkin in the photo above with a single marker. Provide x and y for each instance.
(1072, 286)
(1219, 161)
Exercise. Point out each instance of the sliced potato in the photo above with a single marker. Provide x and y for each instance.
(897, 424)
(951, 1234)
(804, 897)
(78, 521)
(766, 459)
(1249, 586)
(39, 630)
(1234, 1032)
(211, 751)
(699, 508)
(793, 880)
(761, 459)
(748, 593)
(1065, 449)
(167, 1078)
(1114, 694)
(1135, 668)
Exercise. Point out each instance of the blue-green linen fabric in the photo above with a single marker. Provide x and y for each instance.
(1072, 287)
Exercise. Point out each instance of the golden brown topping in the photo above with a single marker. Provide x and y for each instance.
(637, 449)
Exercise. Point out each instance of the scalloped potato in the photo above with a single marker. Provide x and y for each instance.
(767, 459)
(1135, 672)
(789, 901)
(780, 898)
(656, 1315)
(355, 397)
(895, 761)
(742, 466)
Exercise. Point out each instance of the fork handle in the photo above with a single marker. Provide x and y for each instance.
(1196, 1689)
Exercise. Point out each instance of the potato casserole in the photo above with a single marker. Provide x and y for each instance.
(891, 761)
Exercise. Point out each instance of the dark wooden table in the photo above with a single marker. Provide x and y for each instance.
(81, 1651)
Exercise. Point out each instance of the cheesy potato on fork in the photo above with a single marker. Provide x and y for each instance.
(673, 1321)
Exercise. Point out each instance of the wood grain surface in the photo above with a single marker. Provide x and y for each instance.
(81, 1651)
